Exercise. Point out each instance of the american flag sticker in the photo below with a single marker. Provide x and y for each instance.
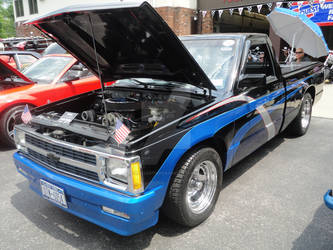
(121, 132)
(26, 115)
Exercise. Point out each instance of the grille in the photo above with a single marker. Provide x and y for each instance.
(62, 151)
(90, 175)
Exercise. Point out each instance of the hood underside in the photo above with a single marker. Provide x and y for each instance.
(7, 72)
(131, 41)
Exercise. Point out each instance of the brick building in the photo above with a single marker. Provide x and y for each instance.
(179, 14)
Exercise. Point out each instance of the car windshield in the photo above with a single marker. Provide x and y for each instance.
(54, 48)
(46, 69)
(215, 57)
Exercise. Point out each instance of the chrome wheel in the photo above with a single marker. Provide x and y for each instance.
(306, 113)
(11, 121)
(201, 187)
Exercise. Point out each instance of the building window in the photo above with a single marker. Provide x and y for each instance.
(19, 8)
(33, 7)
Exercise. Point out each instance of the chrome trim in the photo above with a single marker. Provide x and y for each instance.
(43, 163)
(63, 159)
(98, 168)
(77, 178)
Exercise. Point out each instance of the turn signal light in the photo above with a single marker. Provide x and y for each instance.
(136, 176)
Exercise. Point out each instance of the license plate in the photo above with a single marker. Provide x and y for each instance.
(53, 193)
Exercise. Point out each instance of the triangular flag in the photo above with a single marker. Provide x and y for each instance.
(259, 6)
(231, 11)
(290, 4)
(269, 6)
(321, 2)
(240, 10)
(220, 13)
(299, 3)
(249, 8)
(278, 4)
(204, 12)
(213, 12)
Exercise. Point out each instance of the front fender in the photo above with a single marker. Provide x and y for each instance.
(6, 104)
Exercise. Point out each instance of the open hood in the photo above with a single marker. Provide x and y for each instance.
(131, 41)
(8, 72)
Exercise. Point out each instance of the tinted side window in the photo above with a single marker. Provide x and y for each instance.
(259, 60)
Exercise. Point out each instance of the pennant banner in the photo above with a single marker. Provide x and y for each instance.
(231, 11)
(278, 4)
(249, 8)
(213, 12)
(270, 6)
(220, 13)
(259, 6)
(204, 12)
(240, 10)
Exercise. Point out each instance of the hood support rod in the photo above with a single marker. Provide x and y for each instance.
(98, 68)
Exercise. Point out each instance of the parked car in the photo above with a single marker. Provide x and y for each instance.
(37, 44)
(19, 59)
(54, 48)
(180, 114)
(50, 79)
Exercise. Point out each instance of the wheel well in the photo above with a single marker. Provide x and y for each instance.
(15, 105)
(312, 91)
(214, 142)
(3, 112)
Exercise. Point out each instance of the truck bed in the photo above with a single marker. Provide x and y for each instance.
(288, 69)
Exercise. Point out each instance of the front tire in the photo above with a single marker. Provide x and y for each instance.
(300, 125)
(194, 187)
(7, 123)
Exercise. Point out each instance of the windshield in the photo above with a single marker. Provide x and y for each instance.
(215, 57)
(54, 48)
(46, 69)
(155, 83)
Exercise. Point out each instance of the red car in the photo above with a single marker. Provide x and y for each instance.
(50, 79)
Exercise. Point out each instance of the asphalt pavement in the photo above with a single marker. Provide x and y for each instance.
(273, 199)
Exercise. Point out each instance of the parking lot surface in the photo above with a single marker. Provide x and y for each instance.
(271, 200)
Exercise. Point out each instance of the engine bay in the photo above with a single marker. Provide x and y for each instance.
(140, 111)
(5, 85)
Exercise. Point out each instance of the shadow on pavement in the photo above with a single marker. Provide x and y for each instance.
(319, 233)
(5, 148)
(79, 233)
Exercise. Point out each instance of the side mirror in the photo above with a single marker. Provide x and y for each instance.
(70, 77)
(77, 67)
(252, 80)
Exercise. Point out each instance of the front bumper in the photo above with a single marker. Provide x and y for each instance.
(86, 200)
(328, 198)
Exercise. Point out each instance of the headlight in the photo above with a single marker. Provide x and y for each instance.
(19, 137)
(117, 169)
(126, 172)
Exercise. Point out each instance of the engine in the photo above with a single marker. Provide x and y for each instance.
(138, 111)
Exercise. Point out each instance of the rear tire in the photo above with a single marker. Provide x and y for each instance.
(194, 187)
(7, 123)
(300, 125)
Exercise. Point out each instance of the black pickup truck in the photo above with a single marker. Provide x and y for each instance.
(178, 114)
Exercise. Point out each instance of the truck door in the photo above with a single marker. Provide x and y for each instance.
(263, 89)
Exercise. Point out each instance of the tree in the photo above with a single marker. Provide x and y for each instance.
(7, 23)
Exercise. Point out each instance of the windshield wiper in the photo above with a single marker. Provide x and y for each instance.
(139, 82)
